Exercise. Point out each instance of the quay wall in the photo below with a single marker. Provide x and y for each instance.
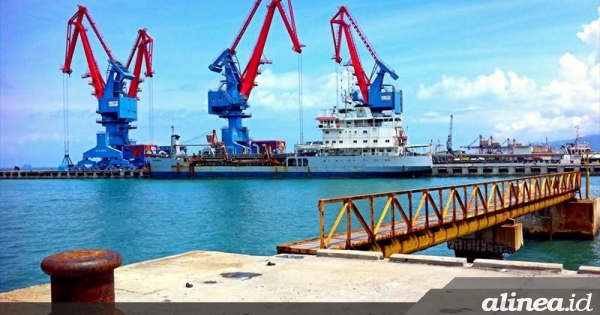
(438, 170)
(510, 169)
(205, 276)
(55, 174)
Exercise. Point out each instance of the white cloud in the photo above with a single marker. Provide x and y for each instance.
(497, 84)
(517, 107)
(591, 33)
(571, 69)
(431, 114)
(468, 108)
(279, 91)
(594, 75)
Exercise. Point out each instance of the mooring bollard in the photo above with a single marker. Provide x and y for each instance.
(82, 275)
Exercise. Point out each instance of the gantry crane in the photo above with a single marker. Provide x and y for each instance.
(231, 99)
(117, 106)
(449, 141)
(371, 91)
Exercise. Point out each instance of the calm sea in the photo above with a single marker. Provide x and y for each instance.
(146, 219)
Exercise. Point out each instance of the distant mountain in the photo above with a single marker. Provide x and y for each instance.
(592, 140)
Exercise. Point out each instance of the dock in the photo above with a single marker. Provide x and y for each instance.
(438, 170)
(227, 277)
(509, 169)
(79, 174)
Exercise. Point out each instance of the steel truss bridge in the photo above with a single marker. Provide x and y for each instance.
(412, 220)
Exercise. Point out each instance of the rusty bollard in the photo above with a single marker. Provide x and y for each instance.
(82, 275)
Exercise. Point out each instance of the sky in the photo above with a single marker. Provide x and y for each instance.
(514, 70)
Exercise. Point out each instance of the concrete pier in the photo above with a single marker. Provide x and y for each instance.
(52, 174)
(490, 243)
(575, 219)
(200, 276)
(509, 169)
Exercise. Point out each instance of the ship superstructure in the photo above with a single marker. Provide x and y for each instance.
(356, 131)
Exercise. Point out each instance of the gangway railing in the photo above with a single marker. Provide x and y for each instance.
(420, 214)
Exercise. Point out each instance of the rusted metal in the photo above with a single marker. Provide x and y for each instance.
(441, 213)
(82, 275)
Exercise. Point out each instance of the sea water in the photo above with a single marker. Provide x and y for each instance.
(146, 219)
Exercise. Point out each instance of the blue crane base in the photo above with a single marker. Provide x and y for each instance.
(103, 157)
(236, 137)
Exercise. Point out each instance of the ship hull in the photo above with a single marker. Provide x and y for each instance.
(314, 167)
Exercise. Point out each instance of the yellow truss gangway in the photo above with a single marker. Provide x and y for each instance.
(412, 220)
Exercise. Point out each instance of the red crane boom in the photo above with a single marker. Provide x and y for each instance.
(240, 34)
(339, 19)
(144, 46)
(251, 71)
(75, 29)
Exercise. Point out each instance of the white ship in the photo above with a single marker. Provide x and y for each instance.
(355, 143)
(579, 152)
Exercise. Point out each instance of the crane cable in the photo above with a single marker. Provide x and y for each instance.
(151, 109)
(338, 84)
(300, 103)
(338, 90)
(67, 159)
(65, 113)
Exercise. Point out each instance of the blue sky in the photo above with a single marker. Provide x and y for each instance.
(523, 70)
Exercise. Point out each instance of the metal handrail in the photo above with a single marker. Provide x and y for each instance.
(407, 211)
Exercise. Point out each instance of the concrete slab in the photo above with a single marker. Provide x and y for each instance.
(226, 277)
(428, 260)
(352, 254)
(590, 270)
(519, 265)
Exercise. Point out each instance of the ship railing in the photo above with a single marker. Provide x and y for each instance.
(417, 149)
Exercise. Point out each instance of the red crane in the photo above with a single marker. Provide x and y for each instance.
(251, 71)
(116, 106)
(374, 92)
(340, 19)
(75, 29)
(231, 99)
(144, 46)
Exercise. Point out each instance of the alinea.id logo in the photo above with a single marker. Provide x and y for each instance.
(519, 304)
